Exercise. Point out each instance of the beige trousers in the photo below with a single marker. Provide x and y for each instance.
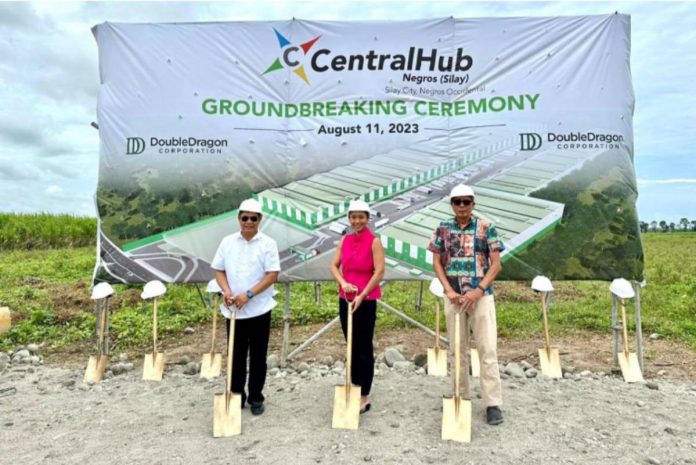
(485, 331)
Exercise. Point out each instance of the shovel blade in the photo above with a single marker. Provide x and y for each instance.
(456, 423)
(95, 369)
(550, 363)
(346, 407)
(227, 416)
(475, 364)
(437, 362)
(630, 368)
(211, 365)
(153, 368)
(5, 319)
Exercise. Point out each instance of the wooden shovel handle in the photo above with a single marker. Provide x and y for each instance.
(230, 354)
(457, 356)
(102, 326)
(624, 333)
(215, 312)
(546, 323)
(154, 330)
(349, 349)
(437, 325)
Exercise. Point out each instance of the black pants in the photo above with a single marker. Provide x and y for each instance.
(364, 318)
(250, 338)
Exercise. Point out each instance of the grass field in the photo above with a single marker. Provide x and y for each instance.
(48, 292)
(42, 231)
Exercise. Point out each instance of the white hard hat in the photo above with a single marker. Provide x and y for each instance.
(213, 287)
(250, 205)
(461, 190)
(102, 291)
(622, 289)
(542, 284)
(358, 206)
(436, 288)
(153, 289)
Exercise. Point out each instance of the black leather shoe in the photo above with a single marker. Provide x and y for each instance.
(493, 416)
(257, 408)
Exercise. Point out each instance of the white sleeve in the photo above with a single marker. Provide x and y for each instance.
(218, 262)
(271, 259)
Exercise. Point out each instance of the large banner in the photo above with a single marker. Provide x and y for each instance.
(534, 113)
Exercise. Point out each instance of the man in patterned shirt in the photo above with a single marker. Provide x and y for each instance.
(466, 259)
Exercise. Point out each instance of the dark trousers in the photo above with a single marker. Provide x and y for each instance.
(364, 318)
(250, 338)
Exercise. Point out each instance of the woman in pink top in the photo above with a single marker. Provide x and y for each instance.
(358, 267)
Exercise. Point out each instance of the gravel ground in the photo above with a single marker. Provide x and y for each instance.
(48, 416)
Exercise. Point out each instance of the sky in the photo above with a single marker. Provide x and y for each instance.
(49, 80)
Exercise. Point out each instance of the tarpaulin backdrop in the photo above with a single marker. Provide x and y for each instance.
(534, 113)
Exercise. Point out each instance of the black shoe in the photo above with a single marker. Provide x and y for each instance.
(365, 408)
(257, 408)
(493, 416)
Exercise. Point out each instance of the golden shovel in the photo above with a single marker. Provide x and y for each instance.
(153, 366)
(227, 407)
(346, 407)
(456, 411)
(97, 364)
(437, 358)
(5, 319)
(549, 358)
(630, 368)
(211, 364)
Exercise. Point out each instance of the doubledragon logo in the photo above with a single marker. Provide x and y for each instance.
(530, 141)
(288, 56)
(135, 145)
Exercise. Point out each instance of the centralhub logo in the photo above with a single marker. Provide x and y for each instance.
(412, 59)
(288, 56)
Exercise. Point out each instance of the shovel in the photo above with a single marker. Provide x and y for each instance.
(456, 411)
(549, 358)
(346, 408)
(5, 319)
(212, 362)
(437, 358)
(628, 361)
(630, 368)
(153, 366)
(96, 365)
(227, 407)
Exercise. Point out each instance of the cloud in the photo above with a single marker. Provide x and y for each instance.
(667, 181)
(53, 189)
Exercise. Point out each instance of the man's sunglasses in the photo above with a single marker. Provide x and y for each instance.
(460, 202)
(245, 218)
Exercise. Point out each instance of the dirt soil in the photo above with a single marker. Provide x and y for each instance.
(48, 416)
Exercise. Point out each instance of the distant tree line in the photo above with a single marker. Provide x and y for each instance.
(662, 226)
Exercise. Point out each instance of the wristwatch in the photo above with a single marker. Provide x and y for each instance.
(249, 294)
(482, 288)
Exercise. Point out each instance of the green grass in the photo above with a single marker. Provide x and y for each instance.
(48, 292)
(45, 231)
